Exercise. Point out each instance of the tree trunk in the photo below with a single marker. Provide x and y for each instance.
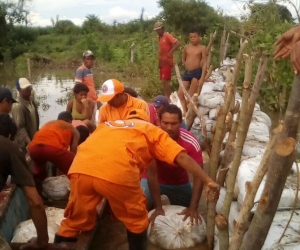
(279, 164)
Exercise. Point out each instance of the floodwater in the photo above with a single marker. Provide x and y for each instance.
(53, 87)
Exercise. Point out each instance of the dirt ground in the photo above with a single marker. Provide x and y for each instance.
(111, 235)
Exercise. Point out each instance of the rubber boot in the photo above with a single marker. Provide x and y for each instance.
(137, 241)
(59, 239)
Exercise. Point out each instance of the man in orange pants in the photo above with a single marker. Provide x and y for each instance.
(112, 170)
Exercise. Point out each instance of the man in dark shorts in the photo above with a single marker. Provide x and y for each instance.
(12, 162)
(194, 61)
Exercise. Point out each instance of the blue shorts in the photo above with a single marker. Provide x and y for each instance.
(178, 194)
(189, 75)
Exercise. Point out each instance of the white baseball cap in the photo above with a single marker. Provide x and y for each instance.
(109, 89)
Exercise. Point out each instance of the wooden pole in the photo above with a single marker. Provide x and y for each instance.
(29, 69)
(281, 162)
(132, 53)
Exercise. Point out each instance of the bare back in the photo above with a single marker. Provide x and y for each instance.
(192, 56)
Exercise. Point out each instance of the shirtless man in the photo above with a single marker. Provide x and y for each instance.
(194, 59)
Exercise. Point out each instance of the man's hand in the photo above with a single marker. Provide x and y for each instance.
(33, 243)
(170, 54)
(192, 213)
(286, 41)
(200, 82)
(295, 57)
(85, 102)
(157, 211)
(215, 188)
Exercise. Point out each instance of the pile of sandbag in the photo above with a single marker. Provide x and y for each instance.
(26, 229)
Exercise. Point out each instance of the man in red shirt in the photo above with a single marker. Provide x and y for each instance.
(167, 45)
(174, 181)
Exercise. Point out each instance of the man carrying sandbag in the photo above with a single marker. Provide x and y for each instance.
(111, 169)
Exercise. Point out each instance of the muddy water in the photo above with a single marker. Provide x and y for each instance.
(53, 87)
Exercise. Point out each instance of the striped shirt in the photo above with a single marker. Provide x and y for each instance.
(168, 174)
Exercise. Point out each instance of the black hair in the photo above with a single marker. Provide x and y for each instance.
(195, 31)
(65, 116)
(131, 92)
(172, 109)
(7, 126)
(83, 132)
(79, 87)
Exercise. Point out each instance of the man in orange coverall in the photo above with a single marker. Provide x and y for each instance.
(112, 170)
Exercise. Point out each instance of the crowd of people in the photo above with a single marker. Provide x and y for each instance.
(144, 151)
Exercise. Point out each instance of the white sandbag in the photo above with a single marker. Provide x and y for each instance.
(258, 132)
(208, 123)
(292, 236)
(207, 87)
(221, 199)
(217, 76)
(262, 117)
(246, 173)
(57, 188)
(175, 99)
(251, 148)
(26, 229)
(171, 232)
(212, 114)
(203, 110)
(228, 62)
(211, 99)
(219, 86)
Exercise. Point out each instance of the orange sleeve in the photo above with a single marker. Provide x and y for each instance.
(161, 145)
(171, 38)
(146, 109)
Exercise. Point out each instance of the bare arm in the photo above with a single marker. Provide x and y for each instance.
(184, 55)
(74, 140)
(154, 191)
(185, 161)
(153, 184)
(39, 219)
(203, 66)
(70, 106)
(88, 108)
(174, 47)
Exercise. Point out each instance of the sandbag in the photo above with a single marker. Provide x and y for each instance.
(219, 86)
(26, 229)
(56, 188)
(203, 110)
(246, 173)
(171, 232)
(262, 117)
(212, 114)
(207, 87)
(211, 99)
(251, 148)
(208, 123)
(258, 132)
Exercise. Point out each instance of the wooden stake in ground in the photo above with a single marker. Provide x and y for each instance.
(29, 69)
(248, 104)
(280, 164)
(214, 160)
(242, 222)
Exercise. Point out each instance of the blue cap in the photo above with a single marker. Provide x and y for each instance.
(160, 100)
(5, 93)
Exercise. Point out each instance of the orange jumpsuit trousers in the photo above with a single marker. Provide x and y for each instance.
(127, 203)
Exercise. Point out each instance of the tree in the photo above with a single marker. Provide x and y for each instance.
(93, 24)
(185, 15)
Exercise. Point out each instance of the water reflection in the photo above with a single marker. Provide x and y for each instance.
(53, 87)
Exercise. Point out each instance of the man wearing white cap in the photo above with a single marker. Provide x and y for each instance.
(119, 104)
(25, 114)
(167, 45)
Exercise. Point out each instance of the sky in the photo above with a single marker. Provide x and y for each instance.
(41, 11)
